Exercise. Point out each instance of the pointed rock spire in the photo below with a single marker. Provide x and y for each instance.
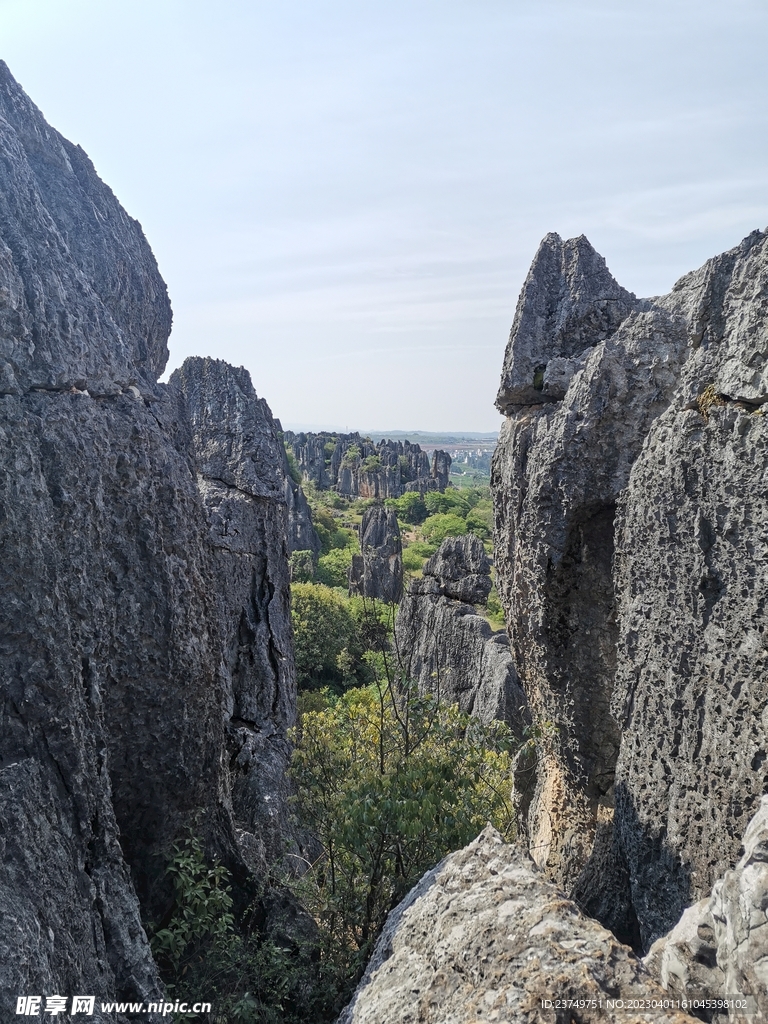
(569, 302)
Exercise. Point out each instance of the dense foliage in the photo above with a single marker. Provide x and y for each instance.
(334, 635)
(326, 637)
(389, 782)
(437, 515)
(247, 978)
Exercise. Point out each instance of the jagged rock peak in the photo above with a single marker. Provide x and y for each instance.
(82, 303)
(569, 302)
(629, 562)
(462, 569)
(357, 468)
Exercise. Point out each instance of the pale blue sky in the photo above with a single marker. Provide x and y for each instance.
(345, 197)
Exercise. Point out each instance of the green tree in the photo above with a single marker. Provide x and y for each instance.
(351, 455)
(480, 522)
(451, 500)
(389, 782)
(416, 554)
(325, 636)
(333, 568)
(410, 507)
(445, 524)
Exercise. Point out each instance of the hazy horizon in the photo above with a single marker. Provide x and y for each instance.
(319, 428)
(345, 198)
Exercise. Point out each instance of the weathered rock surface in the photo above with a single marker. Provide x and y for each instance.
(358, 468)
(241, 479)
(144, 636)
(484, 937)
(302, 535)
(719, 948)
(632, 563)
(377, 572)
(569, 303)
(450, 650)
(82, 303)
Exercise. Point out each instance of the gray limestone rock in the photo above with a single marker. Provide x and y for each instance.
(440, 471)
(568, 304)
(631, 561)
(447, 648)
(302, 535)
(462, 569)
(241, 479)
(145, 649)
(484, 936)
(377, 572)
(82, 303)
(357, 468)
(719, 948)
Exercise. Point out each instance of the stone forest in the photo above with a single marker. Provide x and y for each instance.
(304, 727)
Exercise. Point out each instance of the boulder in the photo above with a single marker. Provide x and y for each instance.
(485, 937)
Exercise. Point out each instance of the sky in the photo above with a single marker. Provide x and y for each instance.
(344, 196)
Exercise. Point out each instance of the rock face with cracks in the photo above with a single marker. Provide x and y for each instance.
(632, 564)
(485, 937)
(145, 655)
(450, 650)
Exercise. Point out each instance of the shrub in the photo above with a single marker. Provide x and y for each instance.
(247, 978)
(480, 522)
(375, 623)
(351, 455)
(445, 524)
(416, 554)
(328, 449)
(495, 609)
(333, 568)
(302, 567)
(293, 467)
(203, 905)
